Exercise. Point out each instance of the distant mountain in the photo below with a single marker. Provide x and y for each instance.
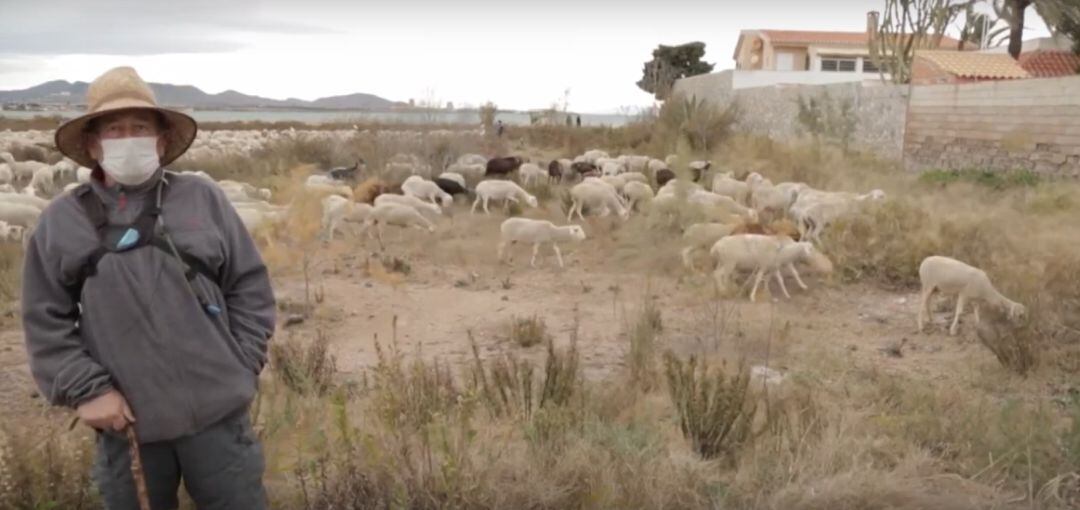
(60, 92)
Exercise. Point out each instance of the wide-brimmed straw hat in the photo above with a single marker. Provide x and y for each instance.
(120, 89)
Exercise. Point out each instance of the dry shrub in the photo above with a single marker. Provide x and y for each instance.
(304, 369)
(527, 331)
(641, 357)
(43, 466)
(1012, 345)
(716, 412)
(411, 395)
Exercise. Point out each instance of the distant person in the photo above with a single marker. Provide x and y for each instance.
(499, 128)
(569, 121)
(145, 304)
(579, 121)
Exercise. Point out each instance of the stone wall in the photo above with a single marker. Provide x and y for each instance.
(1004, 125)
(869, 118)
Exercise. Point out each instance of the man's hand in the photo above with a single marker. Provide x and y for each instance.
(108, 411)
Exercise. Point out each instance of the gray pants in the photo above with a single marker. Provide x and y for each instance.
(221, 468)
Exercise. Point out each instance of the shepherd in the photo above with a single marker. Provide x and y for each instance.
(147, 308)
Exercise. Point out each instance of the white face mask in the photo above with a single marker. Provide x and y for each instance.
(130, 161)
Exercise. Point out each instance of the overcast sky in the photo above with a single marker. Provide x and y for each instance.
(519, 54)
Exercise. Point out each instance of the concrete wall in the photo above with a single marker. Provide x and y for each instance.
(875, 123)
(1004, 125)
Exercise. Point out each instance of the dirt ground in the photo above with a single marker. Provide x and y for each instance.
(455, 286)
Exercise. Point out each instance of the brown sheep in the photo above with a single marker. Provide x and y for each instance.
(778, 227)
(584, 169)
(555, 170)
(370, 189)
(503, 166)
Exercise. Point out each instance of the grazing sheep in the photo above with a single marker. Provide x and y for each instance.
(592, 155)
(471, 159)
(664, 176)
(11, 232)
(507, 191)
(813, 216)
(699, 168)
(766, 198)
(426, 208)
(503, 166)
(397, 215)
(454, 176)
(724, 184)
(452, 186)
(530, 173)
(42, 181)
(637, 192)
(26, 169)
(584, 169)
(537, 232)
(598, 196)
(656, 165)
(950, 276)
(724, 203)
(471, 172)
(21, 215)
(338, 209)
(555, 171)
(424, 189)
(773, 228)
(701, 237)
(763, 255)
(6, 175)
(369, 190)
(611, 168)
(24, 199)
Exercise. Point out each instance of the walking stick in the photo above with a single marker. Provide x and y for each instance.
(137, 470)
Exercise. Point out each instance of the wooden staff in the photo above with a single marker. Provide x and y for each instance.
(137, 470)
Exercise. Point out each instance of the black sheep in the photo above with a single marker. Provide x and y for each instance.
(503, 166)
(451, 186)
(663, 176)
(555, 169)
(346, 173)
(585, 169)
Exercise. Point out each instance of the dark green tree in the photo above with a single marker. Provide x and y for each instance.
(670, 63)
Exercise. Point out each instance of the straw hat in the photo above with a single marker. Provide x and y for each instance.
(119, 89)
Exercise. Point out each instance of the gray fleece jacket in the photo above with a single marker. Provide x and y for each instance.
(136, 326)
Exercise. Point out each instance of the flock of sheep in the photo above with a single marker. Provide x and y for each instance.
(753, 225)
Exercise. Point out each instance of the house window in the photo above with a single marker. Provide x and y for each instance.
(868, 66)
(833, 64)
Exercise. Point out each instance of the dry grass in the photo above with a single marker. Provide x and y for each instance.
(504, 432)
(527, 331)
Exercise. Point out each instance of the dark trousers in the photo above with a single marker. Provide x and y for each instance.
(221, 467)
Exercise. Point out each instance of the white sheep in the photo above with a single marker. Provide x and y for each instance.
(598, 196)
(26, 169)
(656, 165)
(950, 276)
(722, 202)
(428, 209)
(337, 209)
(416, 186)
(397, 215)
(764, 255)
(670, 160)
(610, 167)
(23, 215)
(765, 197)
(592, 155)
(537, 232)
(24, 199)
(507, 191)
(637, 192)
(472, 172)
(634, 176)
(82, 174)
(324, 185)
(812, 216)
(531, 172)
(6, 175)
(42, 181)
(254, 219)
(701, 237)
(724, 184)
(65, 167)
(472, 159)
(11, 232)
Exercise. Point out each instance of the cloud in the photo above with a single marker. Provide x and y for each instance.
(125, 27)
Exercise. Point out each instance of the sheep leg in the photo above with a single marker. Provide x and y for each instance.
(757, 281)
(536, 250)
(558, 254)
(474, 204)
(486, 211)
(570, 215)
(956, 319)
(796, 275)
(780, 280)
(924, 307)
(687, 258)
(976, 307)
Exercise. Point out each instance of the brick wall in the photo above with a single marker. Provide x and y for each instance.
(1003, 125)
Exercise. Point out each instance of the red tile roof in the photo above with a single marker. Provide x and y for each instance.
(1050, 63)
(966, 64)
(845, 38)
